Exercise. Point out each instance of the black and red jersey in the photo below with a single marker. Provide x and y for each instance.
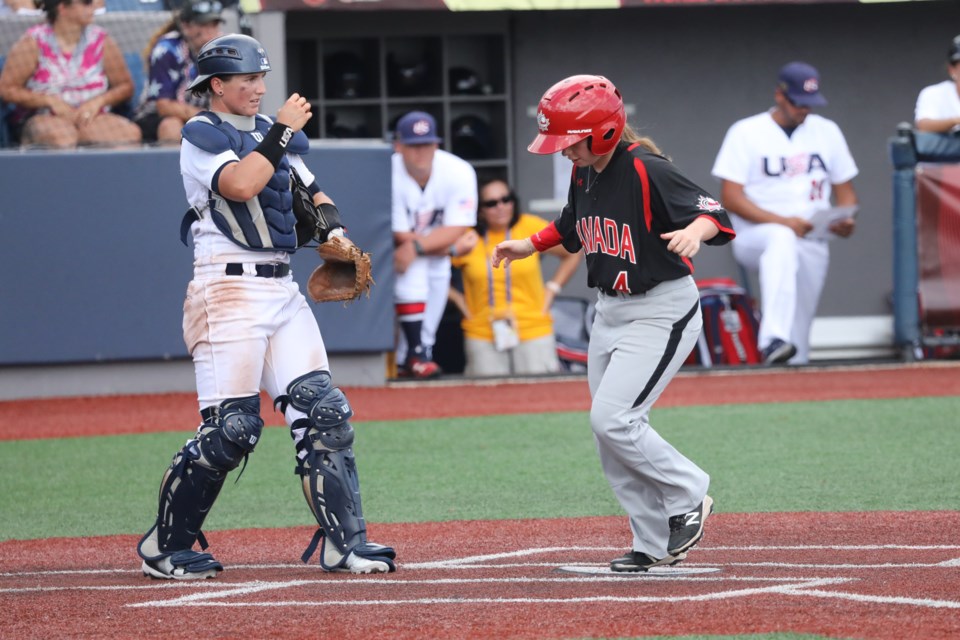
(617, 217)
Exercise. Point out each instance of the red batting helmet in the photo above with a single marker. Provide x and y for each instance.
(576, 108)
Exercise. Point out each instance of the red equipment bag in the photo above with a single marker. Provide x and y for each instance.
(730, 325)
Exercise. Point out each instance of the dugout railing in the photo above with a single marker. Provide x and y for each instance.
(926, 242)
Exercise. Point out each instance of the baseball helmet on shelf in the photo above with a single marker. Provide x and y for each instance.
(407, 77)
(464, 81)
(576, 108)
(470, 138)
(343, 72)
(230, 55)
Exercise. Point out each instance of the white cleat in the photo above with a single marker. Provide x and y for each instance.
(359, 564)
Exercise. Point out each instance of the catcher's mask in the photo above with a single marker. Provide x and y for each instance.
(579, 107)
(234, 54)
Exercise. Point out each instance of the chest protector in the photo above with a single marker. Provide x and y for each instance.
(265, 222)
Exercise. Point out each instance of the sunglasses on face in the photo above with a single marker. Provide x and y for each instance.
(507, 199)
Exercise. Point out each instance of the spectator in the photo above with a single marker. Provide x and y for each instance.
(507, 330)
(938, 106)
(172, 62)
(434, 203)
(776, 170)
(64, 76)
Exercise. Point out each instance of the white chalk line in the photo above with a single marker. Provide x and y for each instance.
(194, 600)
(210, 593)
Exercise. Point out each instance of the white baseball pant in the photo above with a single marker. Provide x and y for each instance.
(792, 273)
(247, 333)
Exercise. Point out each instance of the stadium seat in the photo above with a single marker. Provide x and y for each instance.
(138, 74)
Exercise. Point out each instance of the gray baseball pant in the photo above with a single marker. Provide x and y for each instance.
(637, 345)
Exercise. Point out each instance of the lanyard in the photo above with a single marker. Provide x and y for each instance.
(506, 270)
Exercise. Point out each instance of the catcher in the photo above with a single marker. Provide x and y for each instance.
(248, 327)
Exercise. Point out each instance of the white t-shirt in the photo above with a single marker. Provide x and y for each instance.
(448, 200)
(938, 102)
(790, 176)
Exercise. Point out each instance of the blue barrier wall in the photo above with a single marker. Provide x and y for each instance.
(93, 268)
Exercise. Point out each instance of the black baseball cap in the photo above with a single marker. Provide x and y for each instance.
(953, 55)
(202, 12)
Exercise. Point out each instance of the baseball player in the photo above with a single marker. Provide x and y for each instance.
(777, 169)
(434, 202)
(248, 327)
(639, 221)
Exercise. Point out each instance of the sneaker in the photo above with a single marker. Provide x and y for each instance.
(359, 564)
(182, 565)
(686, 529)
(419, 369)
(778, 351)
(635, 562)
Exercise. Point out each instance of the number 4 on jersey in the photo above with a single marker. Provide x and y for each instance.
(620, 284)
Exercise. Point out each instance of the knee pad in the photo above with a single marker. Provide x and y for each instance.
(315, 395)
(230, 432)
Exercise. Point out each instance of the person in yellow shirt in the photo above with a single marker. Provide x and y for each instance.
(506, 322)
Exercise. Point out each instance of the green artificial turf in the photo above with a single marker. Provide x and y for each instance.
(826, 456)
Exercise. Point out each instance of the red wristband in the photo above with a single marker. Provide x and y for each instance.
(546, 238)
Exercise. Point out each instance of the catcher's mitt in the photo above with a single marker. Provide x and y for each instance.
(344, 274)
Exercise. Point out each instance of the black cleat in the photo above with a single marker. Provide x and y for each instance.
(687, 528)
(635, 562)
(778, 352)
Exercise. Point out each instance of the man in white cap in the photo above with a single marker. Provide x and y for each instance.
(777, 170)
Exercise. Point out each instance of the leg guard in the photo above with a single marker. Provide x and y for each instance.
(190, 486)
(328, 471)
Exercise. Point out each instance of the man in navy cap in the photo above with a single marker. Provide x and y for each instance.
(782, 172)
(434, 201)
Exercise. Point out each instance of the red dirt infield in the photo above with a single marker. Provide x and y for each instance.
(878, 575)
(862, 575)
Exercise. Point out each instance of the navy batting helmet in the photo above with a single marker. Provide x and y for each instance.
(230, 55)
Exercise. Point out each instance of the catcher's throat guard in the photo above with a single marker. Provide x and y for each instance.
(313, 223)
(327, 467)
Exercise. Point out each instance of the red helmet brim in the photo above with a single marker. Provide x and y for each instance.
(546, 144)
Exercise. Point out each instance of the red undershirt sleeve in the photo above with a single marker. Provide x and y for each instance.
(546, 237)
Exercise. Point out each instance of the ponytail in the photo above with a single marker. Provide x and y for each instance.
(631, 136)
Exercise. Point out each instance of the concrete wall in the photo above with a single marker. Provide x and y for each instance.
(95, 271)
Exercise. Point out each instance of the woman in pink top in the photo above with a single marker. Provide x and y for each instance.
(63, 77)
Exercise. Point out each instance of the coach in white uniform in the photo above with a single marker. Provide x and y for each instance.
(434, 202)
(777, 169)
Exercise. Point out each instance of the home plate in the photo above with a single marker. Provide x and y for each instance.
(653, 572)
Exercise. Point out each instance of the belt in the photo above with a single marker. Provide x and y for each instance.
(268, 270)
(617, 294)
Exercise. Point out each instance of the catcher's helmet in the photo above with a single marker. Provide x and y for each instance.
(579, 107)
(230, 55)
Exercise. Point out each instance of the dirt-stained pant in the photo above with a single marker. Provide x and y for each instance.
(637, 345)
(247, 333)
